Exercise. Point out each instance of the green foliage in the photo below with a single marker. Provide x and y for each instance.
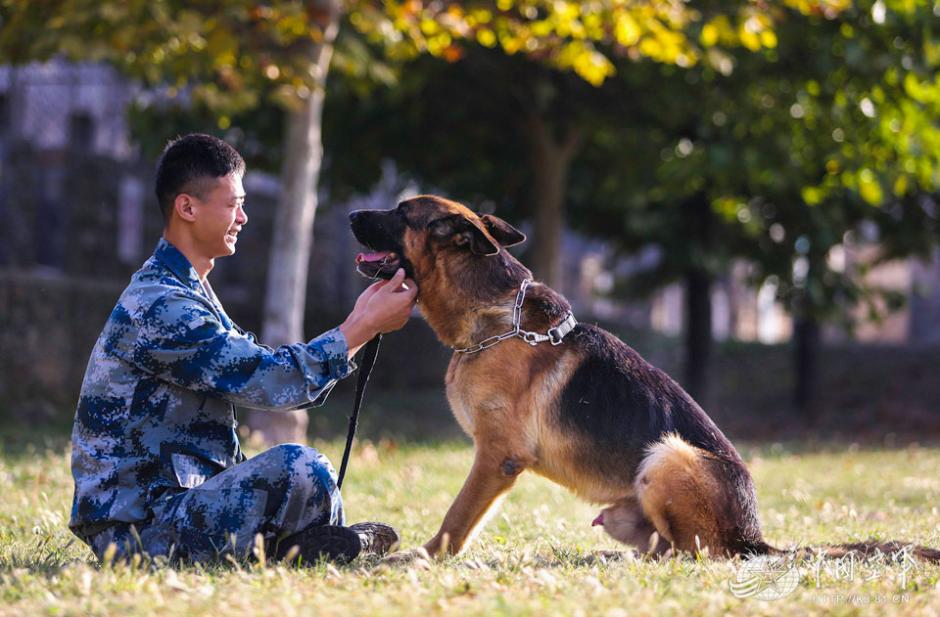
(583, 37)
(257, 136)
(793, 147)
(225, 55)
(222, 56)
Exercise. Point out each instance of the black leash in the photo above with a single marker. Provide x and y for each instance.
(369, 354)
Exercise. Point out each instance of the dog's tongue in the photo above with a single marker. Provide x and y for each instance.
(372, 256)
(598, 521)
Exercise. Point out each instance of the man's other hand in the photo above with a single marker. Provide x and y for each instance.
(384, 306)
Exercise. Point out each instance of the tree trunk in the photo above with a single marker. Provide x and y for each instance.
(550, 160)
(285, 296)
(699, 230)
(806, 356)
(698, 333)
(806, 341)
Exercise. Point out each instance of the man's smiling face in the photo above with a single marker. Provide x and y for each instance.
(219, 208)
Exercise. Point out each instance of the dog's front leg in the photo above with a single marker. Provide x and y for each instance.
(490, 477)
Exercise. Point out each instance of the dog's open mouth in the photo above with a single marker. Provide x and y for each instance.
(378, 264)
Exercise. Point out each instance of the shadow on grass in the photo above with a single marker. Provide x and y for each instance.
(421, 417)
(20, 441)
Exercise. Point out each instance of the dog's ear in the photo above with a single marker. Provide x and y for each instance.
(465, 232)
(503, 232)
(481, 242)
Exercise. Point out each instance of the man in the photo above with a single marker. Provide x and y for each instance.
(156, 460)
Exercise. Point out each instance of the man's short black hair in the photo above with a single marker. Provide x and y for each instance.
(187, 161)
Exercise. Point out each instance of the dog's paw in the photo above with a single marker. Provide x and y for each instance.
(415, 557)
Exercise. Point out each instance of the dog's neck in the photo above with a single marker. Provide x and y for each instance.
(479, 303)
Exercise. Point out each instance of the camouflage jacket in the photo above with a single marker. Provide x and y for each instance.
(157, 406)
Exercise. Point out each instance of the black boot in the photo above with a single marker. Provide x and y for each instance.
(376, 538)
(330, 542)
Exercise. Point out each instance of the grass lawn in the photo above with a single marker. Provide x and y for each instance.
(538, 555)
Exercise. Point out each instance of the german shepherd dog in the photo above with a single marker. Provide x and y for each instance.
(585, 410)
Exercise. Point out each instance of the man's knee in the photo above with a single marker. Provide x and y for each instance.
(304, 463)
(306, 479)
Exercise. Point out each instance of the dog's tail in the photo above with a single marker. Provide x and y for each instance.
(891, 549)
(696, 500)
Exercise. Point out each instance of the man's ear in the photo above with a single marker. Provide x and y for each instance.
(503, 232)
(183, 206)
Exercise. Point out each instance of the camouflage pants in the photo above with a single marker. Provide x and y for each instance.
(277, 493)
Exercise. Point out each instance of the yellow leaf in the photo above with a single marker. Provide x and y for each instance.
(482, 16)
(768, 39)
(510, 44)
(486, 37)
(651, 47)
(869, 187)
(749, 39)
(709, 35)
(812, 195)
(541, 28)
(627, 31)
(900, 186)
(429, 26)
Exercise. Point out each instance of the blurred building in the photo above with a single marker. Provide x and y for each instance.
(741, 312)
(60, 105)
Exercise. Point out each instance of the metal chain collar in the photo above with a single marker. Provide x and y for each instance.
(555, 335)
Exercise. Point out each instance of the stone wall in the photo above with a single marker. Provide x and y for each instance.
(50, 323)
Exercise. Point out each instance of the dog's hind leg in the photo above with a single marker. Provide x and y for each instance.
(676, 491)
(490, 477)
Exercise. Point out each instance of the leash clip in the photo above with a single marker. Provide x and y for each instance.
(532, 338)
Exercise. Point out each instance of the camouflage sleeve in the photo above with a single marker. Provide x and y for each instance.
(182, 341)
(251, 336)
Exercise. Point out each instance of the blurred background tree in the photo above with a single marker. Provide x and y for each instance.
(765, 150)
(714, 132)
(228, 56)
(774, 156)
(702, 167)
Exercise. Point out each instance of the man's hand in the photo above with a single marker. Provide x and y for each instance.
(384, 306)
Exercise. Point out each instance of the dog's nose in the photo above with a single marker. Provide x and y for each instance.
(355, 214)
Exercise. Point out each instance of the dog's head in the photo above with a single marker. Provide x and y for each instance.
(421, 231)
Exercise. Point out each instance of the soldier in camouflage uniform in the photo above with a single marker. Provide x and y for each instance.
(155, 456)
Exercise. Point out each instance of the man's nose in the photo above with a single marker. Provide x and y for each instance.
(242, 217)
